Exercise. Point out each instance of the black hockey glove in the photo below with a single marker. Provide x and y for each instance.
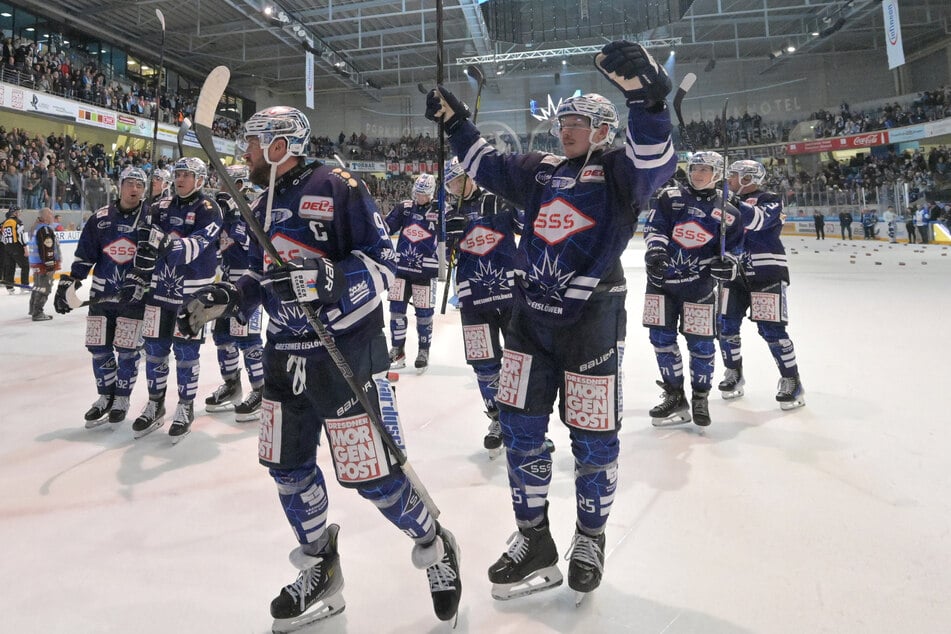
(306, 280)
(657, 262)
(723, 268)
(215, 301)
(229, 208)
(632, 69)
(442, 105)
(455, 227)
(60, 303)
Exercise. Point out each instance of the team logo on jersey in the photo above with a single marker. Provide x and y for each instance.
(691, 235)
(557, 221)
(190, 218)
(316, 207)
(121, 251)
(695, 212)
(592, 174)
(717, 213)
(288, 249)
(481, 240)
(280, 215)
(415, 233)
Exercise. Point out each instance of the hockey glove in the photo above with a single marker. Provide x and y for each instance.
(60, 303)
(657, 262)
(455, 227)
(442, 105)
(215, 301)
(723, 268)
(632, 69)
(307, 280)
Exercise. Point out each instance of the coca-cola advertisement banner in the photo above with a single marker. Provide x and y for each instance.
(839, 143)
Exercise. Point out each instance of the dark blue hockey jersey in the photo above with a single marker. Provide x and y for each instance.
(485, 251)
(190, 262)
(107, 248)
(579, 216)
(418, 227)
(233, 241)
(320, 211)
(763, 257)
(687, 224)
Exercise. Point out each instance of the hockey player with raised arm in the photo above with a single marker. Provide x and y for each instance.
(236, 338)
(566, 335)
(760, 289)
(174, 257)
(338, 259)
(683, 263)
(417, 265)
(106, 249)
(481, 229)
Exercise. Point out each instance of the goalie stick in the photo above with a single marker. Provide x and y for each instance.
(211, 92)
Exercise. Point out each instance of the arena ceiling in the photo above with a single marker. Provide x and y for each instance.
(374, 44)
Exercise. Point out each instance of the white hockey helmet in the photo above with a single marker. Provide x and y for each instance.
(425, 185)
(194, 165)
(134, 173)
(714, 160)
(453, 172)
(277, 122)
(598, 110)
(162, 175)
(238, 173)
(748, 172)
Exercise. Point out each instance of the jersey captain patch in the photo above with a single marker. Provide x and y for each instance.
(557, 221)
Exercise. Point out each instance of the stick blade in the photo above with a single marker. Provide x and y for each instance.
(687, 83)
(161, 17)
(211, 93)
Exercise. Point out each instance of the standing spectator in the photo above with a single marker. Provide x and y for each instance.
(845, 223)
(13, 238)
(869, 220)
(890, 221)
(922, 216)
(909, 217)
(45, 260)
(14, 181)
(819, 219)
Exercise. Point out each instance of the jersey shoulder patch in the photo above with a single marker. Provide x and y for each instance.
(345, 176)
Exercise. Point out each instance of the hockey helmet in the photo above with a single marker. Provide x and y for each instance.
(425, 185)
(714, 160)
(747, 172)
(194, 165)
(278, 122)
(238, 173)
(454, 171)
(134, 173)
(598, 110)
(162, 175)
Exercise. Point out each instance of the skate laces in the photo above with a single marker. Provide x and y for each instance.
(518, 546)
(788, 385)
(307, 582)
(183, 413)
(223, 390)
(151, 409)
(441, 575)
(585, 550)
(732, 375)
(102, 402)
(121, 403)
(495, 428)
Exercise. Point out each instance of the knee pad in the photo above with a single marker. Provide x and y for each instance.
(771, 331)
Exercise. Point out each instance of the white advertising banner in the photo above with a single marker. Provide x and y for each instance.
(896, 52)
(309, 79)
(43, 103)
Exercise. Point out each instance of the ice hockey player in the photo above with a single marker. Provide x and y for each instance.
(481, 230)
(113, 328)
(232, 336)
(683, 263)
(342, 262)
(417, 265)
(568, 321)
(45, 259)
(760, 289)
(160, 186)
(174, 257)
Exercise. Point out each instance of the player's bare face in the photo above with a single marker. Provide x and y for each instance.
(185, 183)
(131, 192)
(575, 134)
(258, 169)
(733, 180)
(701, 176)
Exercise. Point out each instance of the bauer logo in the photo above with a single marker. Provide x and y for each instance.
(415, 233)
(316, 207)
(480, 241)
(691, 235)
(120, 251)
(589, 402)
(557, 221)
(357, 449)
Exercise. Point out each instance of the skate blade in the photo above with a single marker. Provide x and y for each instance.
(422, 370)
(580, 597)
(318, 612)
(148, 430)
(677, 419)
(495, 453)
(175, 439)
(787, 405)
(535, 582)
(99, 422)
(399, 365)
(248, 418)
(729, 395)
(220, 407)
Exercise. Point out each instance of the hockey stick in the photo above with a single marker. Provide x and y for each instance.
(474, 72)
(682, 90)
(182, 131)
(211, 93)
(158, 101)
(726, 183)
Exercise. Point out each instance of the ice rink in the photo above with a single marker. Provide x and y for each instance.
(831, 518)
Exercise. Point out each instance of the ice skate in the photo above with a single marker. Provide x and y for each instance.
(441, 562)
(673, 410)
(493, 438)
(318, 592)
(397, 358)
(422, 361)
(96, 415)
(790, 393)
(250, 408)
(41, 316)
(120, 407)
(586, 564)
(530, 565)
(700, 407)
(150, 419)
(182, 421)
(732, 384)
(227, 396)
